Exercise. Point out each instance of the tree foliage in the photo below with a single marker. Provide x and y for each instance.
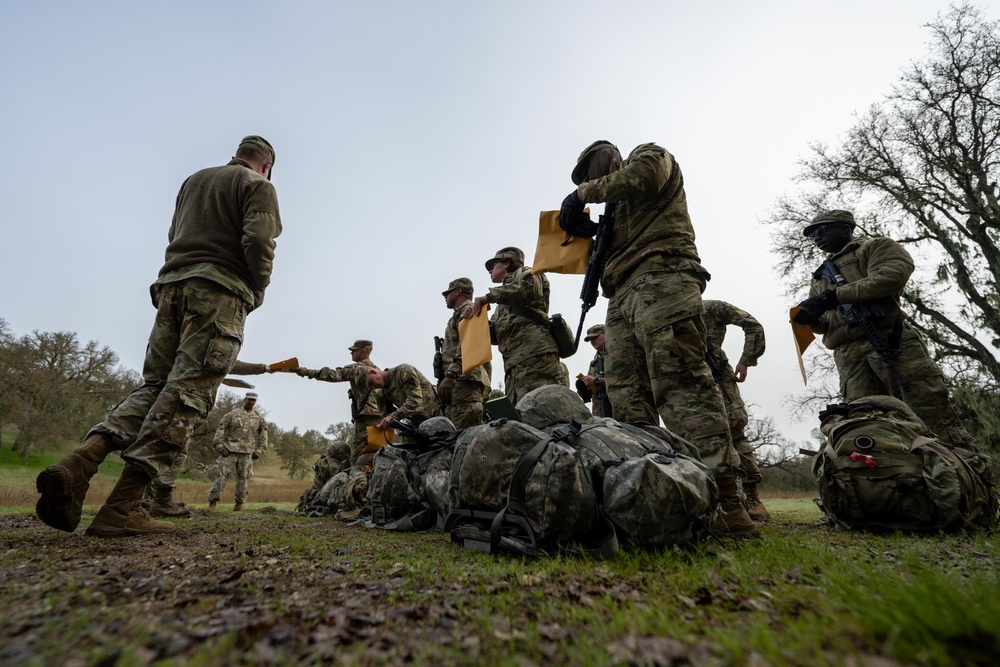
(298, 451)
(921, 166)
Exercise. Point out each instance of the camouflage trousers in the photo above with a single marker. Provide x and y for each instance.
(738, 418)
(656, 368)
(195, 339)
(225, 466)
(863, 372)
(466, 408)
(532, 373)
(360, 441)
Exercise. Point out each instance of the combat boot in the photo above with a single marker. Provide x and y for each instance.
(122, 514)
(734, 520)
(64, 485)
(238, 507)
(162, 503)
(212, 504)
(755, 508)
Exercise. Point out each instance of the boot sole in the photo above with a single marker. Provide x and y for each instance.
(56, 507)
(111, 531)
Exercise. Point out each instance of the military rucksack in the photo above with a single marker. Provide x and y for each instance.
(343, 495)
(653, 495)
(882, 468)
(390, 497)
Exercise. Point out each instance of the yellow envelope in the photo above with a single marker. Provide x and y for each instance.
(558, 252)
(285, 366)
(377, 438)
(803, 336)
(474, 334)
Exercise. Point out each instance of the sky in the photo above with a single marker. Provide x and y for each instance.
(413, 140)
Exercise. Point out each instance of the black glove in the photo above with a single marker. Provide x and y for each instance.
(583, 390)
(255, 456)
(812, 308)
(446, 388)
(572, 219)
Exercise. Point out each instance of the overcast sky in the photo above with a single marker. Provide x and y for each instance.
(413, 140)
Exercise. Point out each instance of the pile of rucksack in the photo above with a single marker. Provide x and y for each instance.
(881, 468)
(557, 480)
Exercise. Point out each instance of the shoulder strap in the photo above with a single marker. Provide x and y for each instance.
(528, 313)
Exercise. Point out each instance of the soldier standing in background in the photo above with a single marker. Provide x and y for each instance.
(718, 316)
(520, 324)
(876, 271)
(462, 393)
(594, 381)
(217, 266)
(654, 280)
(367, 405)
(240, 439)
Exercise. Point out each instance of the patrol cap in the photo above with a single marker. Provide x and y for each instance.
(360, 343)
(463, 284)
(259, 141)
(830, 218)
(593, 332)
(580, 170)
(510, 252)
(251, 396)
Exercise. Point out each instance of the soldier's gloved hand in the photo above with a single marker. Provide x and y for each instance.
(222, 451)
(255, 456)
(572, 219)
(812, 308)
(446, 388)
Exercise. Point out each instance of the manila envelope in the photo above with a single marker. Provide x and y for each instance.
(377, 438)
(803, 336)
(285, 366)
(474, 334)
(557, 251)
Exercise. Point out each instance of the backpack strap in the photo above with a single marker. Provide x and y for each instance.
(515, 490)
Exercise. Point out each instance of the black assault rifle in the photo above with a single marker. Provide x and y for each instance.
(439, 367)
(595, 267)
(864, 315)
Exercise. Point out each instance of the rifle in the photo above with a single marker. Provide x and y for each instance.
(601, 394)
(355, 410)
(864, 315)
(439, 368)
(718, 373)
(595, 267)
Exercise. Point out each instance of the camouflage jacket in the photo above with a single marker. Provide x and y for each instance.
(876, 271)
(652, 229)
(241, 432)
(412, 393)
(451, 350)
(225, 222)
(719, 315)
(247, 368)
(369, 402)
(517, 336)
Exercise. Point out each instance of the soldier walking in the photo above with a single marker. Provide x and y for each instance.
(239, 441)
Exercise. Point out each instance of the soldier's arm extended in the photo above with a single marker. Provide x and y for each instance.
(246, 368)
(640, 178)
(525, 289)
(327, 374)
(889, 267)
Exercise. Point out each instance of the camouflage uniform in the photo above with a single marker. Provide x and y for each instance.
(412, 394)
(876, 270)
(530, 356)
(655, 333)
(241, 437)
(596, 371)
(367, 405)
(466, 406)
(336, 458)
(718, 316)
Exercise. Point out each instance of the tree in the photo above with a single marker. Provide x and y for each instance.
(297, 451)
(341, 432)
(922, 167)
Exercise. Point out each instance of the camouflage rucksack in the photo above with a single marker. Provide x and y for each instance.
(882, 468)
(653, 495)
(390, 497)
(343, 495)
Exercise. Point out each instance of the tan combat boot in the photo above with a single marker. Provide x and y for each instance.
(755, 508)
(162, 502)
(734, 520)
(64, 485)
(212, 504)
(238, 507)
(122, 514)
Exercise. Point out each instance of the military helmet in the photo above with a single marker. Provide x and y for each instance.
(583, 162)
(830, 218)
(436, 427)
(510, 252)
(340, 451)
(550, 405)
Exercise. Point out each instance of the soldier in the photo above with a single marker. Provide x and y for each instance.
(407, 388)
(876, 270)
(593, 381)
(461, 393)
(217, 267)
(520, 325)
(240, 439)
(719, 315)
(654, 280)
(367, 405)
(160, 492)
(336, 458)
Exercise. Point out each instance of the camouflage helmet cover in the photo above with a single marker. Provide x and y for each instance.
(550, 405)
(580, 170)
